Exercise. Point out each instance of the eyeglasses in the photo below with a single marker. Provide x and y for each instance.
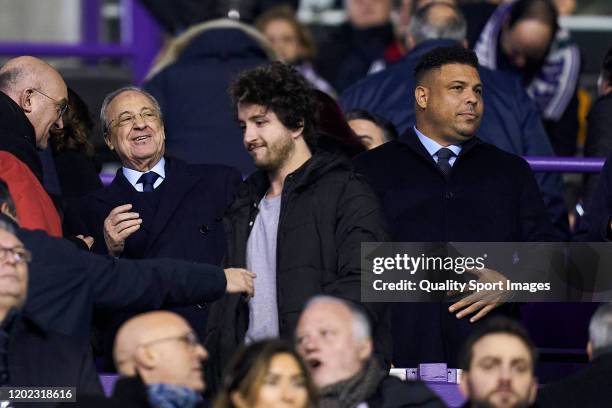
(60, 106)
(15, 254)
(128, 119)
(189, 339)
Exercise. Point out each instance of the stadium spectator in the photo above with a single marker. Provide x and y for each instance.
(30, 355)
(596, 224)
(599, 127)
(264, 374)
(292, 43)
(498, 364)
(522, 37)
(73, 152)
(156, 206)
(510, 122)
(33, 99)
(371, 129)
(159, 359)
(309, 246)
(355, 48)
(334, 338)
(444, 184)
(190, 82)
(106, 283)
(592, 386)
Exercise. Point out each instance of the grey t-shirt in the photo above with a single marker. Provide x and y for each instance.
(261, 259)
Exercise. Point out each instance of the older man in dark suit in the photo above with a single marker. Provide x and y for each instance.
(156, 206)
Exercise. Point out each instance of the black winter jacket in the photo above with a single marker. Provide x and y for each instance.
(327, 211)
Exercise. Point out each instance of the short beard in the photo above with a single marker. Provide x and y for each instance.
(278, 155)
(487, 404)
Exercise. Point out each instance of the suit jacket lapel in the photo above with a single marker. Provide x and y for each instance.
(177, 184)
(116, 194)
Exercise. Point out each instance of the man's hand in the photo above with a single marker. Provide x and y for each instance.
(485, 300)
(239, 280)
(89, 241)
(119, 225)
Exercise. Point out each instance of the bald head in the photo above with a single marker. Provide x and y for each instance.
(39, 90)
(162, 348)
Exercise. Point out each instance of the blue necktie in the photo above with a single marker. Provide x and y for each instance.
(444, 155)
(147, 180)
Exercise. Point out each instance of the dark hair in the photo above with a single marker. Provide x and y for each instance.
(436, 58)
(77, 129)
(496, 325)
(286, 13)
(283, 90)
(541, 10)
(333, 131)
(5, 197)
(389, 131)
(249, 365)
(606, 67)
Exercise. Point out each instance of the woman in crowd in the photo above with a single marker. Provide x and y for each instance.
(292, 43)
(267, 374)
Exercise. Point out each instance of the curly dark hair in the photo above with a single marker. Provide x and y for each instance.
(283, 90)
(436, 58)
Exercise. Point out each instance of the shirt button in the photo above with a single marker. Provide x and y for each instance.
(250, 223)
(449, 195)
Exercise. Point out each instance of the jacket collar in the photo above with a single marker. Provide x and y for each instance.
(412, 141)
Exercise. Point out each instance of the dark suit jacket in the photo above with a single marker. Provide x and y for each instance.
(491, 196)
(588, 388)
(511, 120)
(186, 225)
(37, 358)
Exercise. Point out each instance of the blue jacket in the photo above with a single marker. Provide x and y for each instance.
(510, 121)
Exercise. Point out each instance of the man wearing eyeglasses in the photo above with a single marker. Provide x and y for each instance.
(156, 206)
(33, 98)
(159, 358)
(29, 355)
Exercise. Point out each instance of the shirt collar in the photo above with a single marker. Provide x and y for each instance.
(133, 175)
(432, 146)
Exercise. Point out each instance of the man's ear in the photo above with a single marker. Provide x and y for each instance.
(25, 100)
(108, 142)
(299, 131)
(145, 358)
(463, 385)
(365, 349)
(589, 350)
(421, 96)
(533, 390)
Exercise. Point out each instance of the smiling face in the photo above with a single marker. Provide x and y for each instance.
(265, 138)
(140, 142)
(13, 274)
(325, 339)
(501, 373)
(449, 104)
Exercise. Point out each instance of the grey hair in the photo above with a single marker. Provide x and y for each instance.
(109, 98)
(600, 328)
(362, 329)
(9, 79)
(453, 28)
